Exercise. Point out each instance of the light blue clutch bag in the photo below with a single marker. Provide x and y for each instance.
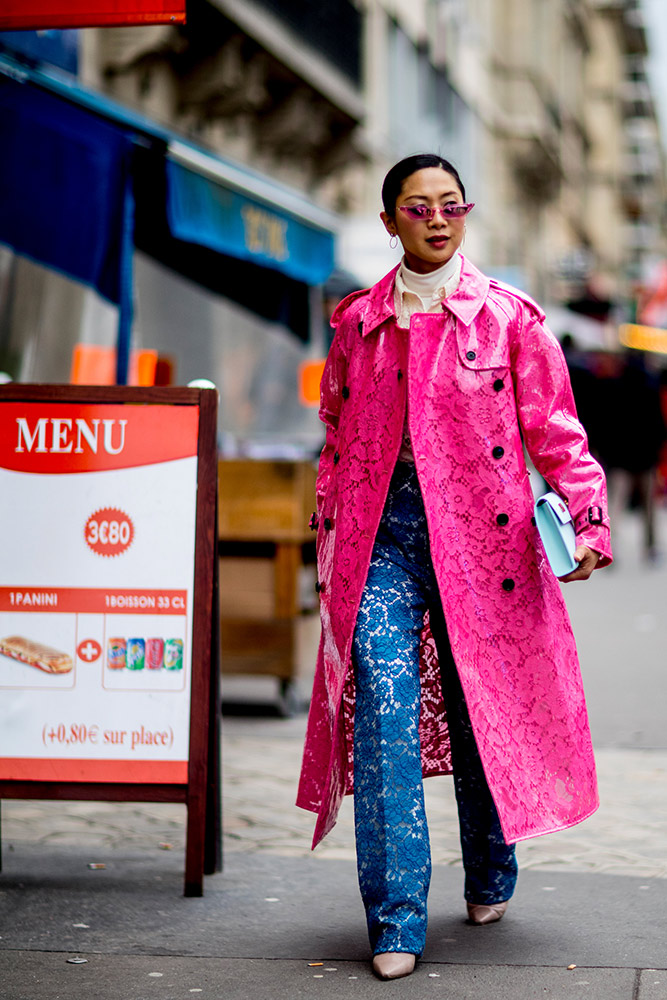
(556, 529)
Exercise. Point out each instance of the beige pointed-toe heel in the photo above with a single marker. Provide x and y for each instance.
(393, 964)
(480, 913)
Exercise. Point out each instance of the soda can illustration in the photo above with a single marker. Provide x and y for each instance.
(154, 653)
(136, 654)
(173, 654)
(116, 653)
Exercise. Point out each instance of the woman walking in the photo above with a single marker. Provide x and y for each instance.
(446, 644)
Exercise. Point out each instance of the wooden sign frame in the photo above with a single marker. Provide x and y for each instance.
(201, 793)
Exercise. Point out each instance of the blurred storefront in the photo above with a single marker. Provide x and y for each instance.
(128, 254)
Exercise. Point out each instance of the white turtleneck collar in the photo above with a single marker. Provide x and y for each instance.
(426, 285)
(430, 289)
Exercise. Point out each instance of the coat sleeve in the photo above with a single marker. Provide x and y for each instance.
(331, 388)
(554, 438)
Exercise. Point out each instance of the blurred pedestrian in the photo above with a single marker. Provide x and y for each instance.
(584, 388)
(433, 583)
(635, 433)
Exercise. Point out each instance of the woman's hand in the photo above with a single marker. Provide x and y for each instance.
(587, 559)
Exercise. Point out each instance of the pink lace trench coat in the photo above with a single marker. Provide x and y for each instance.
(478, 377)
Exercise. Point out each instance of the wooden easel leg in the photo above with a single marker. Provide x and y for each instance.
(213, 843)
(204, 620)
(194, 843)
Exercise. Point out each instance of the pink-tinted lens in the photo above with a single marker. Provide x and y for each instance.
(457, 211)
(425, 213)
(418, 211)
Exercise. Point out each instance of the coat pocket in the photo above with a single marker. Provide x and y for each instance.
(479, 350)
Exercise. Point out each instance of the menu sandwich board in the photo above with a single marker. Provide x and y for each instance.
(107, 556)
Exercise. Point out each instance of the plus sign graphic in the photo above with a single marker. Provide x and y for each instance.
(88, 650)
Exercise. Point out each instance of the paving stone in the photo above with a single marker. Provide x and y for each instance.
(653, 984)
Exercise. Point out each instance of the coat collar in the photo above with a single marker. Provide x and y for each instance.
(465, 303)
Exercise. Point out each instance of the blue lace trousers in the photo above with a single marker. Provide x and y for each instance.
(393, 851)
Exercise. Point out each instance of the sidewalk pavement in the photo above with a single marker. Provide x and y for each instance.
(594, 897)
(588, 922)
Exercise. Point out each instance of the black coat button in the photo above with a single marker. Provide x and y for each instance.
(360, 327)
(498, 385)
(502, 519)
(345, 392)
(318, 587)
(533, 521)
(470, 355)
(508, 585)
(336, 458)
(498, 452)
(327, 524)
(400, 374)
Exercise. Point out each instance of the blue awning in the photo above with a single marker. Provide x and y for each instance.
(65, 177)
(67, 195)
(201, 210)
(211, 202)
(67, 160)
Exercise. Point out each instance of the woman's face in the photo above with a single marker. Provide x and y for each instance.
(428, 244)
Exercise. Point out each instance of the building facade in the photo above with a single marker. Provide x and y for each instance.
(543, 105)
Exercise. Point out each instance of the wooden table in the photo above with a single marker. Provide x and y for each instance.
(265, 545)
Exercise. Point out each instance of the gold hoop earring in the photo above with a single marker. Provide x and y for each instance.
(393, 241)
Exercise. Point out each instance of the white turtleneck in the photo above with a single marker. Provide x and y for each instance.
(414, 293)
(424, 292)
